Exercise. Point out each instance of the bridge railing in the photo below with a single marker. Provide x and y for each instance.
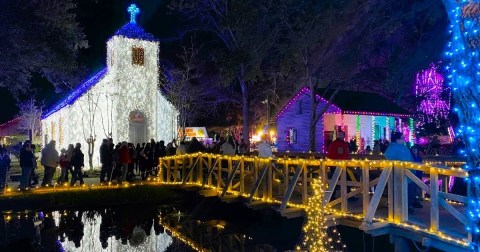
(286, 181)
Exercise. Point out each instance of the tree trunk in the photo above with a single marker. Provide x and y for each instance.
(313, 126)
(464, 65)
(245, 128)
(313, 115)
(91, 146)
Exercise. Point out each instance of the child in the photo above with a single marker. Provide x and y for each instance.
(63, 166)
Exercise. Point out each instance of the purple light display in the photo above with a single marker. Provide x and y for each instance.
(434, 98)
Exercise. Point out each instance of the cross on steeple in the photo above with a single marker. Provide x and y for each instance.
(134, 10)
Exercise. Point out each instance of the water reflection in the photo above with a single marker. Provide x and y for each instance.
(121, 229)
(167, 228)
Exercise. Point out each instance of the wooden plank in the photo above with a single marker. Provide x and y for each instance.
(269, 180)
(192, 168)
(398, 193)
(200, 169)
(365, 187)
(228, 185)
(343, 189)
(242, 175)
(286, 171)
(304, 184)
(257, 183)
(404, 194)
(349, 195)
(372, 207)
(455, 197)
(209, 174)
(332, 184)
(190, 172)
(417, 181)
(453, 211)
(291, 187)
(434, 199)
(390, 198)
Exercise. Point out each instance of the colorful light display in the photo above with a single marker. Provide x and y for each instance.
(434, 98)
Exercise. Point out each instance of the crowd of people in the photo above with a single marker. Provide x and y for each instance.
(119, 162)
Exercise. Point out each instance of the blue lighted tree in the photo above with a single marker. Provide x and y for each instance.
(464, 78)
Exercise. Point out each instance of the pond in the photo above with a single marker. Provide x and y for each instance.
(203, 224)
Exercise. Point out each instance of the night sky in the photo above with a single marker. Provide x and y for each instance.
(100, 21)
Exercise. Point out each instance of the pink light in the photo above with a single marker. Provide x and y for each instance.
(306, 90)
(375, 113)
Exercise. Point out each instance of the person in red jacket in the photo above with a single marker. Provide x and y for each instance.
(338, 149)
(125, 160)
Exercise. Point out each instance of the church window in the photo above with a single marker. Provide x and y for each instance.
(138, 56)
(291, 135)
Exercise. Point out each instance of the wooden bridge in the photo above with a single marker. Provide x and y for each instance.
(284, 184)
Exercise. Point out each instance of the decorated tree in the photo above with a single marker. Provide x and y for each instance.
(39, 36)
(464, 77)
(30, 116)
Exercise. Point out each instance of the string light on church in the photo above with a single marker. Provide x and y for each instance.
(102, 106)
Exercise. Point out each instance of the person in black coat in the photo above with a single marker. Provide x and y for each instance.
(77, 163)
(26, 163)
(106, 160)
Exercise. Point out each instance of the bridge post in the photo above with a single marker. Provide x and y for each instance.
(366, 187)
(200, 169)
(242, 175)
(343, 187)
(400, 203)
(434, 199)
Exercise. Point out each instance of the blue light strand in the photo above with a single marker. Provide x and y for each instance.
(464, 68)
(131, 30)
(77, 93)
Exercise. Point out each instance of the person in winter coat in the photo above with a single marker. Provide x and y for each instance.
(228, 148)
(124, 156)
(4, 167)
(50, 160)
(77, 163)
(106, 160)
(26, 163)
(398, 151)
(63, 166)
(69, 160)
(339, 149)
(264, 148)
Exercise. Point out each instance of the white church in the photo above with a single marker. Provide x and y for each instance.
(122, 101)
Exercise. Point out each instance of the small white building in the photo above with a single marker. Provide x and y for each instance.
(122, 101)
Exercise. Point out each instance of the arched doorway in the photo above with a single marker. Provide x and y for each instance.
(137, 128)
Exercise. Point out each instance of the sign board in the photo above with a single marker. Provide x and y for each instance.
(198, 132)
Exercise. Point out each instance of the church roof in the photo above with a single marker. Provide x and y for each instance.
(77, 92)
(133, 31)
(357, 102)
